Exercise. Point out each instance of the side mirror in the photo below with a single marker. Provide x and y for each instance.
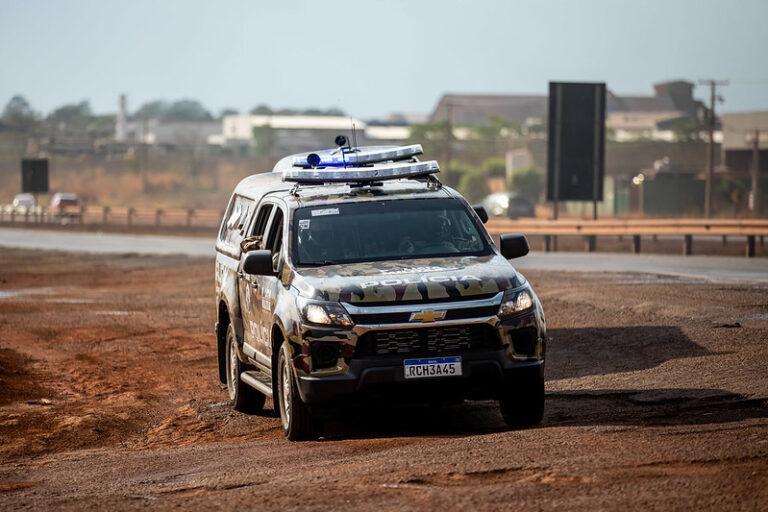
(258, 263)
(480, 211)
(514, 245)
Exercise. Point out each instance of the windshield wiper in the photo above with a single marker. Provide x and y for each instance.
(318, 263)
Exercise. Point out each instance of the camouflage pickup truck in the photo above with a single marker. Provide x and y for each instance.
(352, 275)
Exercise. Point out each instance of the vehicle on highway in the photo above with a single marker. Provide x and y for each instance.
(509, 204)
(63, 205)
(352, 275)
(22, 204)
(60, 200)
(25, 200)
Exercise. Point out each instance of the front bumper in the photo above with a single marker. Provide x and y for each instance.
(495, 352)
(483, 376)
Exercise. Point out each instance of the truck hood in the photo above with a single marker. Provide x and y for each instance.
(407, 280)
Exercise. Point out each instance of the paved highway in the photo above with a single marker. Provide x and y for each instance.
(105, 242)
(714, 268)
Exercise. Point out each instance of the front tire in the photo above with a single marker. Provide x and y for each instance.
(522, 401)
(298, 423)
(242, 396)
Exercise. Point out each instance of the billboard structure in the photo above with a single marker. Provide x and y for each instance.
(576, 143)
(34, 175)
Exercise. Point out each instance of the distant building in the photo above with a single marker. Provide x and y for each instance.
(286, 134)
(161, 132)
(629, 117)
(476, 109)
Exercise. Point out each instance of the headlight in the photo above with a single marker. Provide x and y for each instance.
(515, 301)
(326, 313)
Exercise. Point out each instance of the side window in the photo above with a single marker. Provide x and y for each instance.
(275, 238)
(236, 218)
(261, 219)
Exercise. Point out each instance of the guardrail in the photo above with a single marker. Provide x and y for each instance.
(116, 215)
(752, 229)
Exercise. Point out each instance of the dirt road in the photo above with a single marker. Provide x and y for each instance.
(657, 398)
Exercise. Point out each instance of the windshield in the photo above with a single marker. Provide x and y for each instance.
(384, 230)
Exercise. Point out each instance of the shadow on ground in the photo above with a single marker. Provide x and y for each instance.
(603, 407)
(603, 350)
(576, 353)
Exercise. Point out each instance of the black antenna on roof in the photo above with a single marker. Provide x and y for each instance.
(354, 133)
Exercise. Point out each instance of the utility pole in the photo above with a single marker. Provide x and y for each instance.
(448, 135)
(711, 143)
(144, 155)
(754, 193)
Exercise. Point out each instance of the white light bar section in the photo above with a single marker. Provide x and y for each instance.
(364, 156)
(383, 172)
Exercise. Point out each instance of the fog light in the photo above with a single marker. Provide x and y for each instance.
(324, 355)
(524, 341)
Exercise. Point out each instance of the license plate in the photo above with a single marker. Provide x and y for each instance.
(433, 367)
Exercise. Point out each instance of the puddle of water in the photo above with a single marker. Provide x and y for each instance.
(757, 316)
(115, 313)
(7, 294)
(67, 300)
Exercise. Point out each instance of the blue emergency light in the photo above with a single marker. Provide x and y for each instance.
(369, 174)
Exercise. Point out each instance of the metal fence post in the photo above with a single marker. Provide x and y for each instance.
(750, 246)
(687, 245)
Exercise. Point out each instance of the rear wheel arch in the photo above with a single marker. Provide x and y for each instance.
(223, 321)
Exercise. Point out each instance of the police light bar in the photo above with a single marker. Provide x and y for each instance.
(343, 157)
(382, 172)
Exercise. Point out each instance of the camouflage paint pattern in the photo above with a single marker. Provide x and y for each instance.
(420, 279)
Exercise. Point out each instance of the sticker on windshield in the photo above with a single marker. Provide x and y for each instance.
(325, 211)
(303, 223)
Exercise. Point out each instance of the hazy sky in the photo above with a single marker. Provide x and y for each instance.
(371, 57)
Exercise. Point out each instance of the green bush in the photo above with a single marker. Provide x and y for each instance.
(495, 167)
(528, 182)
(473, 185)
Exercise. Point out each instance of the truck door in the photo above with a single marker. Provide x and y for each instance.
(250, 290)
(268, 285)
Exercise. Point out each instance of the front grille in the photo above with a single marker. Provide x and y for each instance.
(402, 318)
(427, 340)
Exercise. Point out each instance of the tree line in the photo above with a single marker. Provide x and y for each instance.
(78, 119)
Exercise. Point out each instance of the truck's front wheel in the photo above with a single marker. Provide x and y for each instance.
(297, 421)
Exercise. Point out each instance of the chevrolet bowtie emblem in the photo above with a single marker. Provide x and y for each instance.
(427, 316)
